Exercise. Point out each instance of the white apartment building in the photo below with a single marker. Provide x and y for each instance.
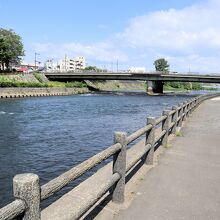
(50, 66)
(66, 64)
(80, 62)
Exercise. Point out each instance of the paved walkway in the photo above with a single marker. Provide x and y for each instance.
(186, 182)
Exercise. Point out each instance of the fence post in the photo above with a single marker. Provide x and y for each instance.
(181, 115)
(184, 110)
(193, 105)
(150, 139)
(174, 119)
(165, 126)
(119, 166)
(27, 188)
(187, 109)
(196, 103)
(190, 107)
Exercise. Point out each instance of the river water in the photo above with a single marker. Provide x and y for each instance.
(49, 135)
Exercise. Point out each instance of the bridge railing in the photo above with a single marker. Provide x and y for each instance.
(27, 190)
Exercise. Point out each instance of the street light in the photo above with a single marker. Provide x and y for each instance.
(35, 59)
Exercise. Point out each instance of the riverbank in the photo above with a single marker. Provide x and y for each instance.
(116, 85)
(36, 84)
(126, 85)
(35, 92)
(38, 80)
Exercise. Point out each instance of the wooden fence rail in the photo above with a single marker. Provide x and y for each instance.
(27, 190)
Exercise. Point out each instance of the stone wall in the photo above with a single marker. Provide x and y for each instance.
(31, 92)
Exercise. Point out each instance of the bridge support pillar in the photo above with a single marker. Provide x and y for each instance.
(154, 87)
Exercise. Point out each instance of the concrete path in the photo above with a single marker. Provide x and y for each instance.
(186, 182)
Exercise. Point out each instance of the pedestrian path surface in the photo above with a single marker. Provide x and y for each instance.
(186, 182)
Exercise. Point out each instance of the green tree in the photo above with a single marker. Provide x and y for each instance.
(11, 47)
(91, 68)
(94, 68)
(161, 65)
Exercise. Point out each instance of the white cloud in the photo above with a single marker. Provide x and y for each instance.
(186, 37)
(103, 51)
(181, 30)
(178, 35)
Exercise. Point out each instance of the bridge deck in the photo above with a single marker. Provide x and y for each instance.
(71, 76)
(185, 183)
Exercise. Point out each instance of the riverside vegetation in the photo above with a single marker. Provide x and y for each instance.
(185, 86)
(37, 80)
(182, 86)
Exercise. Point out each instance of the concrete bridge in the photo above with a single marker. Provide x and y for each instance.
(174, 190)
(155, 79)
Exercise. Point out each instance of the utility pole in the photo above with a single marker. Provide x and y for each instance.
(35, 60)
(117, 65)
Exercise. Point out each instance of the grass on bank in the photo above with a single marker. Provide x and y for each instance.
(185, 86)
(6, 82)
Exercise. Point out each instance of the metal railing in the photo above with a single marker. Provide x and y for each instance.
(27, 190)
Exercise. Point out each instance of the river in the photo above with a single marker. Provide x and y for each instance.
(49, 135)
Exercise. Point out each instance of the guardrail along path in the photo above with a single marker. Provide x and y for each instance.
(185, 183)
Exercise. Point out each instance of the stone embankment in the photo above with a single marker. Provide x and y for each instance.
(115, 85)
(34, 92)
(19, 92)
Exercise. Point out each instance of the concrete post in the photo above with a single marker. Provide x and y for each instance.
(187, 108)
(119, 166)
(27, 188)
(194, 104)
(181, 115)
(174, 119)
(190, 108)
(184, 111)
(150, 139)
(165, 126)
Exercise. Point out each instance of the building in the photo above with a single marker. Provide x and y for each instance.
(50, 66)
(30, 65)
(80, 63)
(66, 64)
(137, 70)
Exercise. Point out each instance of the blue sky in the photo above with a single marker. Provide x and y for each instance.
(134, 32)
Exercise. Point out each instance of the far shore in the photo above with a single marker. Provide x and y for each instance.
(14, 92)
(36, 84)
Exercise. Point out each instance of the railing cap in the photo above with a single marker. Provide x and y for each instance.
(174, 107)
(166, 112)
(25, 177)
(151, 120)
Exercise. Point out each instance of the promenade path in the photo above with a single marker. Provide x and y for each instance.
(186, 182)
